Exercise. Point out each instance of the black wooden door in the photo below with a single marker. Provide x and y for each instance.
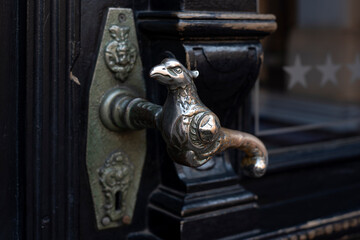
(48, 54)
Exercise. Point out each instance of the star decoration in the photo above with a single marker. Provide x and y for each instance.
(328, 71)
(297, 73)
(355, 69)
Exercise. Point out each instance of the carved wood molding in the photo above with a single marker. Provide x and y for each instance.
(220, 25)
(319, 228)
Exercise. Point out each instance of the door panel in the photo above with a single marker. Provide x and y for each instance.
(47, 61)
(12, 111)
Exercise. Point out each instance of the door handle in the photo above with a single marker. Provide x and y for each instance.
(192, 132)
(118, 115)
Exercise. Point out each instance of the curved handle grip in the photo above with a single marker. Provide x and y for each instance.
(192, 132)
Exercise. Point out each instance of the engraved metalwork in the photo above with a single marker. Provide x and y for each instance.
(116, 177)
(102, 142)
(120, 54)
(192, 132)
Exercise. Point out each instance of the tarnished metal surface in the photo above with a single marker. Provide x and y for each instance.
(192, 132)
(120, 54)
(115, 161)
(116, 176)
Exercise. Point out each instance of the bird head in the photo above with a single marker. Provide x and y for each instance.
(173, 74)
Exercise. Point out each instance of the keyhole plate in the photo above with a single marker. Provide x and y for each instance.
(108, 151)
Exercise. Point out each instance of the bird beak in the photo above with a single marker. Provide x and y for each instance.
(158, 70)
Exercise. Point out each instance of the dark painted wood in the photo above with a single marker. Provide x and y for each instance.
(195, 204)
(316, 153)
(199, 5)
(43, 123)
(12, 77)
(204, 25)
(52, 120)
(319, 192)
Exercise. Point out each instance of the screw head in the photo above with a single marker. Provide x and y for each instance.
(126, 220)
(105, 221)
(122, 17)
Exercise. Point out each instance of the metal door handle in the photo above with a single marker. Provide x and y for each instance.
(116, 146)
(191, 130)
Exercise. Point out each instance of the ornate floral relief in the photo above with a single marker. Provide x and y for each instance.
(115, 176)
(120, 54)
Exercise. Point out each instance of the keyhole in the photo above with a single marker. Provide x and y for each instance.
(118, 200)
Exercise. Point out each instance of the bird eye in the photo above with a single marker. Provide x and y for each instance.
(178, 70)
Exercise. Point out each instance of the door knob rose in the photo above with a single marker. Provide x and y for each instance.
(192, 132)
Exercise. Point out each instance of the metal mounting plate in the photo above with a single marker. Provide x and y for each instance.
(114, 173)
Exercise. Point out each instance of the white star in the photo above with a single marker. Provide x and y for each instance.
(355, 69)
(328, 71)
(297, 72)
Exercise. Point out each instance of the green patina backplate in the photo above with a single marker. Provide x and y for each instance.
(115, 159)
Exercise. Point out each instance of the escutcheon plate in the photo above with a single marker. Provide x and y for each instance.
(115, 161)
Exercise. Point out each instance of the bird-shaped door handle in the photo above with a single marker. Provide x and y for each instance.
(192, 132)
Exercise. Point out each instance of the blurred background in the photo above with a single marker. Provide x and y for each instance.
(309, 85)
